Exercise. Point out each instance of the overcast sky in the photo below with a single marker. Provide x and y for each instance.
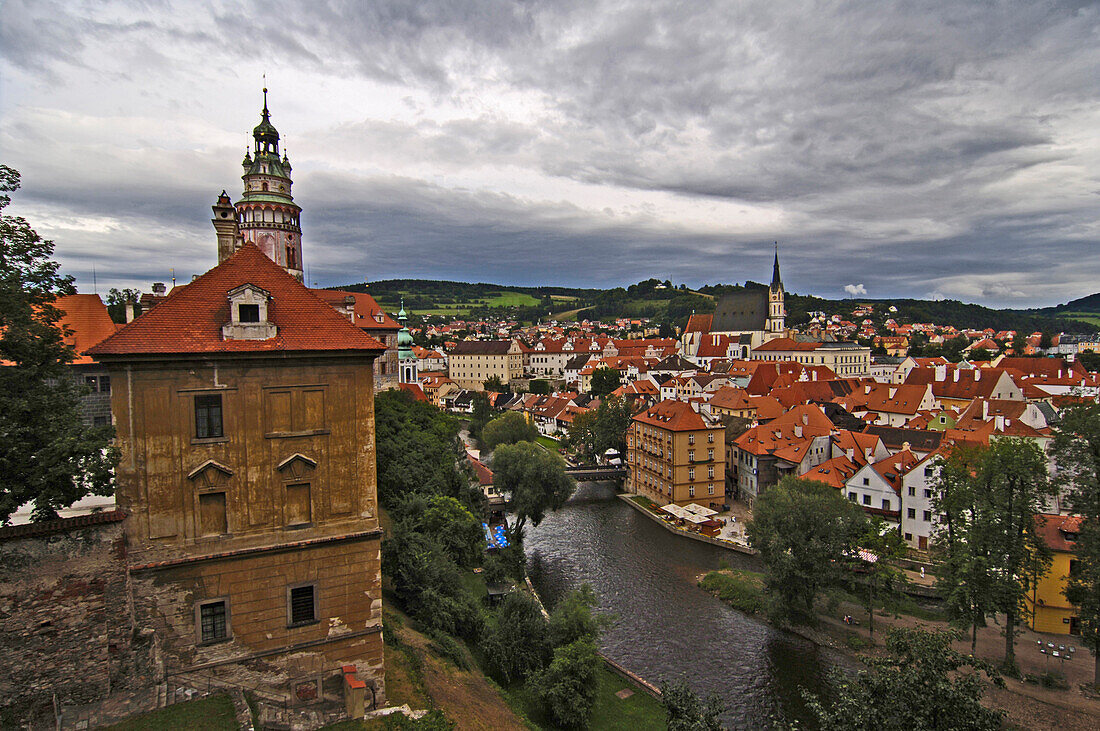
(927, 149)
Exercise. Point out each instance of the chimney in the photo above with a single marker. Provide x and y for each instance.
(805, 418)
(129, 312)
(159, 288)
(956, 375)
(905, 446)
(225, 226)
(977, 374)
(867, 389)
(999, 422)
(851, 453)
(941, 372)
(814, 376)
(891, 392)
(798, 430)
(985, 409)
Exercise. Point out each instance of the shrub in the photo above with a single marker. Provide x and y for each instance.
(567, 687)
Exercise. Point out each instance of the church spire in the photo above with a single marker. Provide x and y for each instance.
(777, 281)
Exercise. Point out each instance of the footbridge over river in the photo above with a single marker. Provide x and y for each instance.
(594, 473)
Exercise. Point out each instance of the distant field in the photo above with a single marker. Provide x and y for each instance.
(1090, 317)
(498, 299)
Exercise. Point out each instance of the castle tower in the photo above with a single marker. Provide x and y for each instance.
(777, 310)
(267, 214)
(225, 224)
(407, 365)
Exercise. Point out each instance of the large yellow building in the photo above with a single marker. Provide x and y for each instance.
(244, 407)
(676, 455)
(1049, 608)
(473, 362)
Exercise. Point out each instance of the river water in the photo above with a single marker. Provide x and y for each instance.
(666, 627)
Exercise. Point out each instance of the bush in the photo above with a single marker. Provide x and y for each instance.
(740, 593)
(516, 641)
(495, 571)
(567, 688)
(446, 646)
(573, 619)
(431, 721)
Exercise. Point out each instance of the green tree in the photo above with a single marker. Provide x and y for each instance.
(567, 687)
(494, 384)
(917, 687)
(540, 386)
(805, 531)
(1090, 361)
(1046, 340)
(881, 578)
(535, 479)
(47, 453)
(962, 540)
(1014, 487)
(457, 531)
(508, 428)
(604, 381)
(573, 618)
(595, 431)
(685, 712)
(516, 641)
(1076, 452)
(979, 354)
(117, 299)
(483, 412)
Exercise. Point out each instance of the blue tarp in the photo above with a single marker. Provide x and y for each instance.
(495, 537)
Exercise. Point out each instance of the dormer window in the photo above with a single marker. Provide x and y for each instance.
(248, 314)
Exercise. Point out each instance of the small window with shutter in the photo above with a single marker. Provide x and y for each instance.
(301, 605)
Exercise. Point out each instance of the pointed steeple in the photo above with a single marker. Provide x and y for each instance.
(777, 281)
(265, 134)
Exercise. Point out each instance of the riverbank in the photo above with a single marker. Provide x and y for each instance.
(740, 548)
(1028, 705)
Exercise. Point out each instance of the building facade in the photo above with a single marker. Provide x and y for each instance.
(245, 420)
(472, 362)
(676, 455)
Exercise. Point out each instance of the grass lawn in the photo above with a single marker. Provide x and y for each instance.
(639, 712)
(742, 590)
(552, 444)
(209, 713)
(644, 502)
(1090, 317)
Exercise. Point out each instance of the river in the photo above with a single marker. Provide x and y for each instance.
(665, 626)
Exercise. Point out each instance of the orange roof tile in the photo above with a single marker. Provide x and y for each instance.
(86, 317)
(190, 319)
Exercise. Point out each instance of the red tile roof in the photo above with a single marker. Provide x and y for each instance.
(190, 319)
(366, 312)
(1053, 529)
(86, 316)
(672, 415)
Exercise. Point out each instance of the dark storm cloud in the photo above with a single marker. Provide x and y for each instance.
(918, 148)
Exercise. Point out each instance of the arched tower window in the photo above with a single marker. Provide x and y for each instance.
(264, 187)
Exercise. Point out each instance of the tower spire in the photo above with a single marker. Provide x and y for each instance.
(777, 282)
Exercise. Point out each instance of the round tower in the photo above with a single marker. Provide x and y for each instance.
(407, 368)
(267, 214)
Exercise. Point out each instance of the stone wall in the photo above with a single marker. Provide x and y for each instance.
(66, 620)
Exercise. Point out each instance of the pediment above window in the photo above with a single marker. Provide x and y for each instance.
(210, 474)
(248, 314)
(296, 466)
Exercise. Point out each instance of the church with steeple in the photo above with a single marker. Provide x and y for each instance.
(740, 322)
(266, 215)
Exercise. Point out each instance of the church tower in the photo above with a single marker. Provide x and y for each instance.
(777, 310)
(267, 214)
(407, 364)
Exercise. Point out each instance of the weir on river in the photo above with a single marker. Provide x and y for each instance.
(665, 626)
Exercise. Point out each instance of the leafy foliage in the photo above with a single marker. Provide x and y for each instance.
(516, 642)
(567, 687)
(918, 687)
(685, 712)
(881, 577)
(47, 453)
(604, 381)
(535, 479)
(1076, 451)
(508, 428)
(804, 531)
(594, 432)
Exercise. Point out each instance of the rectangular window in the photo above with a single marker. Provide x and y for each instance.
(100, 421)
(104, 384)
(912, 513)
(90, 382)
(248, 313)
(299, 509)
(691, 491)
(710, 454)
(213, 621)
(691, 473)
(302, 605)
(912, 492)
(928, 494)
(866, 481)
(710, 472)
(710, 438)
(208, 416)
(866, 499)
(885, 504)
(212, 521)
(852, 496)
(927, 516)
(691, 455)
(710, 489)
(909, 536)
(691, 439)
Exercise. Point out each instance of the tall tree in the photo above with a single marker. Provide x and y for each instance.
(508, 428)
(1014, 487)
(1076, 452)
(882, 579)
(684, 711)
(962, 540)
(604, 381)
(47, 453)
(917, 687)
(595, 431)
(805, 531)
(535, 479)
